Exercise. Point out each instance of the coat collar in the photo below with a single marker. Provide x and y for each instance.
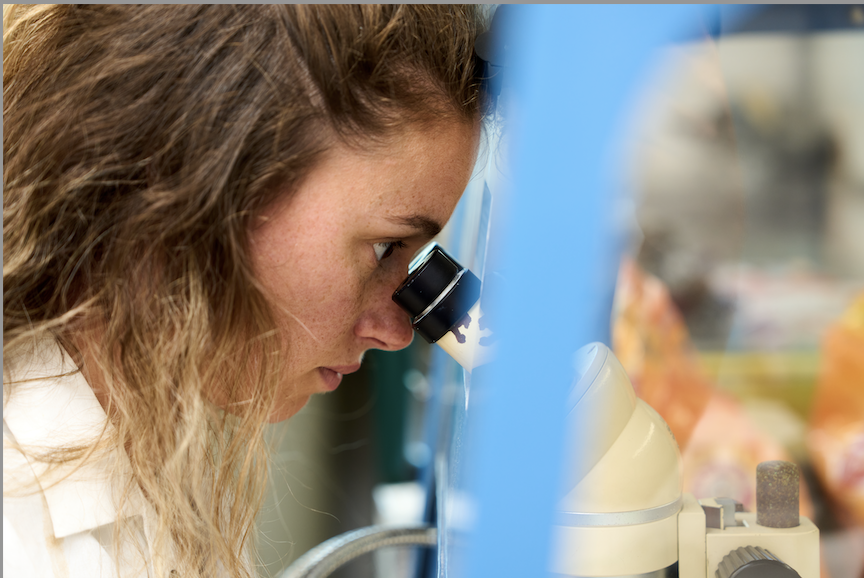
(51, 406)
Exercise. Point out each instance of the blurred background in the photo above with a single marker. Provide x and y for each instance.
(739, 312)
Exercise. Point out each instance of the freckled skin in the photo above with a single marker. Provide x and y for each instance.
(314, 250)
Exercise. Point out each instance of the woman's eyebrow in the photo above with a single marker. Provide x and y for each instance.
(424, 225)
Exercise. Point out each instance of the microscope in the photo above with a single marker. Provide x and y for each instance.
(622, 511)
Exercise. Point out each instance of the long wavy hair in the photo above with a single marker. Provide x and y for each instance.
(139, 145)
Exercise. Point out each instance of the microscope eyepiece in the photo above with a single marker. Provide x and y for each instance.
(442, 298)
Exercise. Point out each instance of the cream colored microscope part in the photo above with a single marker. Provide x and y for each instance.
(619, 516)
(623, 513)
(701, 549)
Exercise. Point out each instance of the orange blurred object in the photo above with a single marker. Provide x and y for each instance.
(652, 342)
(836, 437)
(720, 445)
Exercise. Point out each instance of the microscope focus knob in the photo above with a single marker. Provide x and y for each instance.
(753, 562)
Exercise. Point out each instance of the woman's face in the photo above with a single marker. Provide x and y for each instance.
(330, 254)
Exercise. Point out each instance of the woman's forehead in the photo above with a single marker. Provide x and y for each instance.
(412, 182)
(419, 171)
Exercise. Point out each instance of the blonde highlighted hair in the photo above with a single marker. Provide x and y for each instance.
(140, 143)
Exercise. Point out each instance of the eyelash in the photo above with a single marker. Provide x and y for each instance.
(386, 249)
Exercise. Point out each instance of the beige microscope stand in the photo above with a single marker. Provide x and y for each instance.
(702, 549)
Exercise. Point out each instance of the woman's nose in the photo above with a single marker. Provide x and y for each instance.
(385, 325)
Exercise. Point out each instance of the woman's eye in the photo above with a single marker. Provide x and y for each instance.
(384, 250)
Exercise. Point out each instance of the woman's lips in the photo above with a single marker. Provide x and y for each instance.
(332, 376)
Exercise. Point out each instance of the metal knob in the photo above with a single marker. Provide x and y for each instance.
(777, 494)
(753, 562)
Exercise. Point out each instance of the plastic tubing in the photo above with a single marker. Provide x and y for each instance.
(324, 559)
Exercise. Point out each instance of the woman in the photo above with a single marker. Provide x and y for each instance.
(206, 210)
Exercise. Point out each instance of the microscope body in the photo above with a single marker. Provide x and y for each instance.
(623, 514)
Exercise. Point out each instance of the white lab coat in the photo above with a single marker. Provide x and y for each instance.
(62, 528)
